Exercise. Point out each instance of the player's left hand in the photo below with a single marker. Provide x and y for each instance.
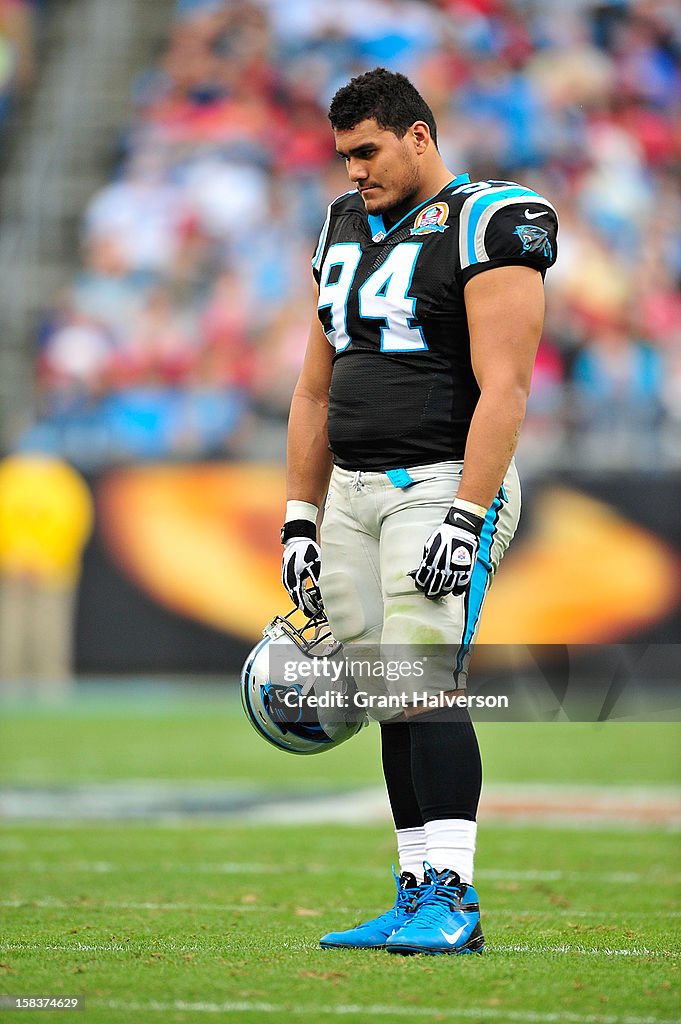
(449, 555)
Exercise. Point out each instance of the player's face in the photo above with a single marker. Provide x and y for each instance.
(384, 169)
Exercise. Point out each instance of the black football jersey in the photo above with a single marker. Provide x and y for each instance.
(391, 303)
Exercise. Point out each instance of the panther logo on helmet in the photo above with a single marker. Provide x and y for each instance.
(279, 710)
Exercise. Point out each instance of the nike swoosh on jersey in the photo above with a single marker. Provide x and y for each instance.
(451, 939)
(533, 216)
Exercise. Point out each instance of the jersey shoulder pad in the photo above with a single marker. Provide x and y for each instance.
(336, 206)
(502, 220)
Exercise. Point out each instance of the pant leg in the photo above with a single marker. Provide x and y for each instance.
(350, 576)
(447, 626)
(501, 523)
(445, 776)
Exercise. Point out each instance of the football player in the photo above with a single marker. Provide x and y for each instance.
(404, 421)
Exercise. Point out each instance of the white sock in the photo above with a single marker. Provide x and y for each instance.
(450, 843)
(411, 850)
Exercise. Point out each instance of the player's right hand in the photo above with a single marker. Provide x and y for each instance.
(300, 570)
(449, 556)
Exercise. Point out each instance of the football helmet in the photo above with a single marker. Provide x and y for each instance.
(295, 690)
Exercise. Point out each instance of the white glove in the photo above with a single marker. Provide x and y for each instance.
(301, 566)
(449, 555)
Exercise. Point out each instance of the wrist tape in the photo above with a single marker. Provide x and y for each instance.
(469, 506)
(301, 510)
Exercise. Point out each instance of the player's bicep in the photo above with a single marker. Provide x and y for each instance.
(505, 311)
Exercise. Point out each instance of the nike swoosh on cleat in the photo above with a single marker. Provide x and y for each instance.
(451, 939)
(533, 216)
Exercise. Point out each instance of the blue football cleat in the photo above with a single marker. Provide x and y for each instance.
(373, 934)
(446, 919)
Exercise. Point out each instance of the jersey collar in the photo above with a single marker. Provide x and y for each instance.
(377, 226)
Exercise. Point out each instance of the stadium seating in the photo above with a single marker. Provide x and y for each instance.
(182, 334)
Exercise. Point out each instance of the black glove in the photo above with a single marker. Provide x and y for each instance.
(301, 565)
(449, 555)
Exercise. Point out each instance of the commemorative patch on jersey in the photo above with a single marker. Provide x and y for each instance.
(431, 219)
(534, 239)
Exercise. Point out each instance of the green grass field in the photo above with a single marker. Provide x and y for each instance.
(193, 919)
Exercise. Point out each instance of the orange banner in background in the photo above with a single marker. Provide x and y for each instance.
(203, 541)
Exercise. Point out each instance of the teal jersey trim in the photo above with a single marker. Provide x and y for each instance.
(376, 225)
(480, 204)
(479, 580)
(461, 179)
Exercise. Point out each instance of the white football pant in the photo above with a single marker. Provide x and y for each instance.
(373, 533)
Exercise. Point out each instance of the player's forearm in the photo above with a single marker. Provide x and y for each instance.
(308, 457)
(492, 440)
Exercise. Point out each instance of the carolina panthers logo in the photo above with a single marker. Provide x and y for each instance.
(277, 707)
(534, 239)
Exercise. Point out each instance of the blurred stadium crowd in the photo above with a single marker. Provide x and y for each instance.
(183, 331)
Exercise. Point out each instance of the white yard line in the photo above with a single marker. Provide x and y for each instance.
(93, 905)
(89, 906)
(362, 1011)
(104, 867)
(533, 949)
(571, 948)
(251, 868)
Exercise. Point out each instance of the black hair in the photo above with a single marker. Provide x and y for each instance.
(387, 96)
